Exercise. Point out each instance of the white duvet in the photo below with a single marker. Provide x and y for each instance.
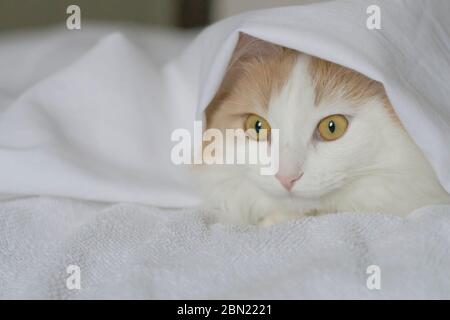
(88, 116)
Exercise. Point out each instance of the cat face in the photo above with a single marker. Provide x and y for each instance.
(313, 162)
(337, 133)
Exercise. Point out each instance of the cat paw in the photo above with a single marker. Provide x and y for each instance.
(276, 218)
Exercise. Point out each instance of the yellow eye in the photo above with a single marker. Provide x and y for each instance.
(257, 127)
(332, 127)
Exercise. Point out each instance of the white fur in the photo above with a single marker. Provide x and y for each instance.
(374, 167)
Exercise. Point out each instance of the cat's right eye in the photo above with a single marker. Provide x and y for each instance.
(257, 128)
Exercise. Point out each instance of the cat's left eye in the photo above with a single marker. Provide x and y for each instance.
(332, 127)
(257, 128)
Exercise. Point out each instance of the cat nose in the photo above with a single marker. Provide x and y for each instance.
(288, 181)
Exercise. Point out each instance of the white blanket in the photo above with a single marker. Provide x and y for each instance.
(133, 251)
(90, 119)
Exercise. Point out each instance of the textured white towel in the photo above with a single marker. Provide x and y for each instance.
(132, 251)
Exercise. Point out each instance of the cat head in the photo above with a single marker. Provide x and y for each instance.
(336, 128)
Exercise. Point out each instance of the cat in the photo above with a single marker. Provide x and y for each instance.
(342, 147)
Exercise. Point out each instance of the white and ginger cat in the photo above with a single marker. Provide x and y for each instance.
(342, 148)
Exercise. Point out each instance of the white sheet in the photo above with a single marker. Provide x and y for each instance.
(135, 251)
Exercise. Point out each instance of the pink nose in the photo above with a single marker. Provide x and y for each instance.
(288, 181)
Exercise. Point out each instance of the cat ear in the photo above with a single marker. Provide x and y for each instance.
(250, 47)
(247, 49)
